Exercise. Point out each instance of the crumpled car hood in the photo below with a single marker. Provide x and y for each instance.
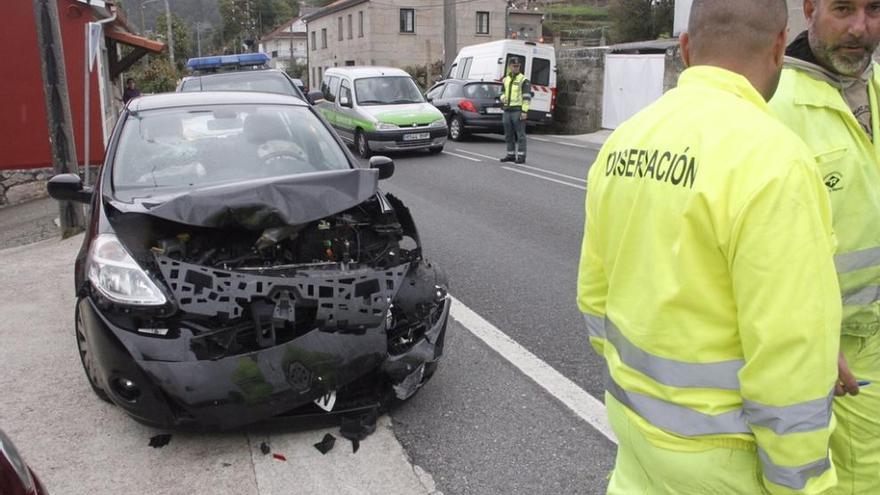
(261, 203)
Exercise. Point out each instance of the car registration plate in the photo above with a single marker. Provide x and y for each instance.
(493, 110)
(416, 136)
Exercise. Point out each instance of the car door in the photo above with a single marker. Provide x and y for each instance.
(433, 96)
(345, 108)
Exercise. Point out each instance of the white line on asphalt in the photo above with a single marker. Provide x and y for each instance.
(575, 398)
(559, 142)
(582, 188)
(461, 156)
(476, 154)
(551, 172)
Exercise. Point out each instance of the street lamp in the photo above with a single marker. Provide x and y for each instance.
(143, 23)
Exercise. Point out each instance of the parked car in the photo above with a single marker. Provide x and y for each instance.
(240, 265)
(380, 109)
(16, 477)
(245, 72)
(468, 106)
(489, 61)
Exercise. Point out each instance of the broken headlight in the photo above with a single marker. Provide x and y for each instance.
(117, 276)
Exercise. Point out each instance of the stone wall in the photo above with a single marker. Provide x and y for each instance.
(580, 73)
(18, 186)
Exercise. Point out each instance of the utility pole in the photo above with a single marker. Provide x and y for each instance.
(57, 107)
(170, 33)
(450, 38)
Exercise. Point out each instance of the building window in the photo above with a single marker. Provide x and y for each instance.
(482, 23)
(339, 27)
(314, 43)
(349, 63)
(407, 20)
(323, 37)
(349, 26)
(360, 24)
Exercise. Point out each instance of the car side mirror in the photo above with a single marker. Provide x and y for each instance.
(315, 96)
(384, 165)
(344, 102)
(68, 187)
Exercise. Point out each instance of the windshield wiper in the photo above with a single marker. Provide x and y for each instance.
(405, 101)
(366, 102)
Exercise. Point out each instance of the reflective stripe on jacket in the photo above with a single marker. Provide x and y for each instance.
(707, 282)
(516, 94)
(850, 165)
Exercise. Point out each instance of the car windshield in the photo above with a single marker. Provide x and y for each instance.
(264, 82)
(387, 91)
(195, 146)
(482, 90)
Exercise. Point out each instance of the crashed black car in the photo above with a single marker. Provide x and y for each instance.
(239, 265)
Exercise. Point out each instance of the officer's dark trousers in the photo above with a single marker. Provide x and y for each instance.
(514, 132)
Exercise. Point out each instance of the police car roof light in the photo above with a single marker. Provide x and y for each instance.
(227, 61)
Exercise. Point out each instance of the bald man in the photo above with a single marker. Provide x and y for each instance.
(828, 96)
(706, 276)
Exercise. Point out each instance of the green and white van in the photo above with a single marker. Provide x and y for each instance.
(379, 109)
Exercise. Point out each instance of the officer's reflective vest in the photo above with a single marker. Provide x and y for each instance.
(707, 280)
(516, 93)
(850, 166)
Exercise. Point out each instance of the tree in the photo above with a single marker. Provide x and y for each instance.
(159, 75)
(636, 20)
(244, 21)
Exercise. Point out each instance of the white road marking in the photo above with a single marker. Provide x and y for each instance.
(575, 398)
(559, 142)
(477, 154)
(582, 188)
(550, 172)
(461, 156)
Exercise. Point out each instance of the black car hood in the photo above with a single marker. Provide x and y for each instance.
(261, 203)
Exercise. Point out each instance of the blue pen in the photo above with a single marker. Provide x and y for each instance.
(863, 383)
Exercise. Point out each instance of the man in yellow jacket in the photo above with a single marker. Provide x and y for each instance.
(707, 280)
(516, 95)
(828, 96)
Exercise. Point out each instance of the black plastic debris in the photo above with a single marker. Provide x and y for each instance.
(358, 427)
(326, 444)
(264, 448)
(160, 441)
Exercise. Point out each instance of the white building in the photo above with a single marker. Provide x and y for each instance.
(286, 43)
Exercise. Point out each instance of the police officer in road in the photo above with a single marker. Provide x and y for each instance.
(706, 276)
(515, 98)
(828, 96)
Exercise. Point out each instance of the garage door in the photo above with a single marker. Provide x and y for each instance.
(632, 82)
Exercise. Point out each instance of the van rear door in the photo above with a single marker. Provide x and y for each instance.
(542, 75)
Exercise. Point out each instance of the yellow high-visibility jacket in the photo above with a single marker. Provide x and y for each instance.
(850, 165)
(707, 281)
(516, 93)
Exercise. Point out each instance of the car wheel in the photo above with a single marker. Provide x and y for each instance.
(361, 144)
(87, 359)
(456, 129)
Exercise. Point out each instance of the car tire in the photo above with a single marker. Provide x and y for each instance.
(435, 149)
(361, 144)
(456, 129)
(85, 358)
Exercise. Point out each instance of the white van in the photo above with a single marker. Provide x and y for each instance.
(488, 61)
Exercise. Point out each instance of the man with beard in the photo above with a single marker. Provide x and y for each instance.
(828, 96)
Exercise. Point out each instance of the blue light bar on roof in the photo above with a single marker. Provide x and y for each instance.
(227, 61)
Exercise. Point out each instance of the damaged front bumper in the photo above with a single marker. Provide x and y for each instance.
(301, 346)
